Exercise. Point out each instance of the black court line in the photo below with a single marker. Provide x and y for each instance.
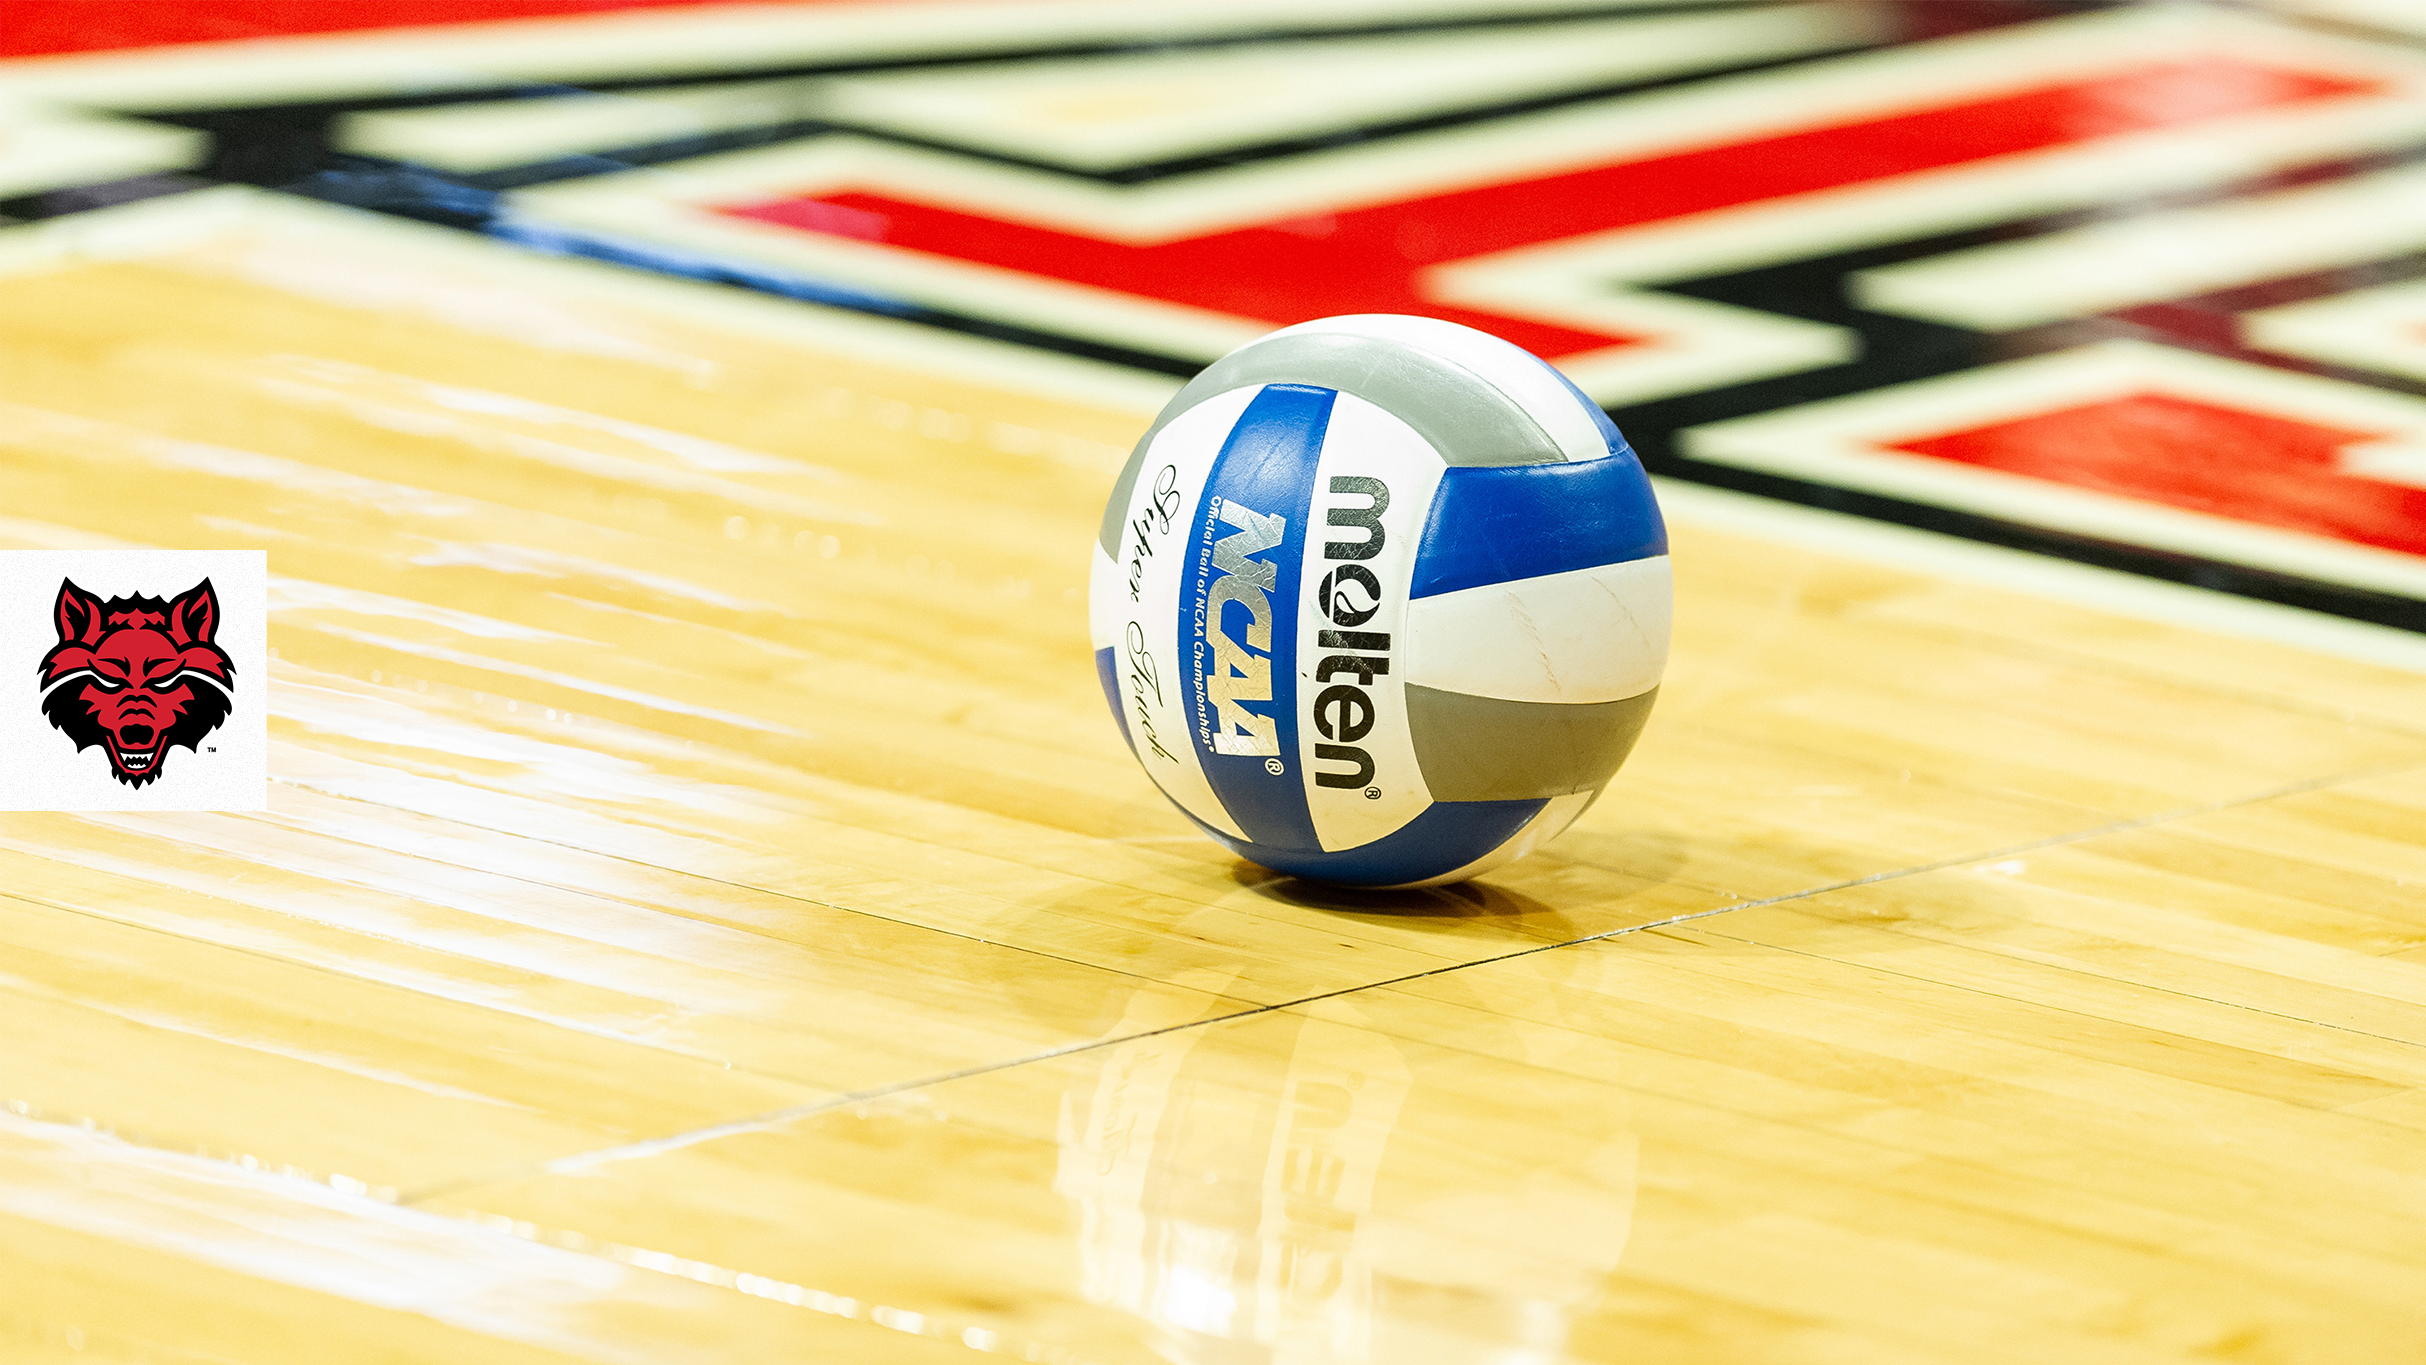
(288, 148)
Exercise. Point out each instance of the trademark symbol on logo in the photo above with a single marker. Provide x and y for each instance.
(1373, 793)
(1273, 766)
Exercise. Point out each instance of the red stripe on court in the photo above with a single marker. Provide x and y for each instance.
(34, 28)
(2228, 462)
(1366, 260)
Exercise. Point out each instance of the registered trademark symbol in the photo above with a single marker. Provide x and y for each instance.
(1373, 793)
(1273, 766)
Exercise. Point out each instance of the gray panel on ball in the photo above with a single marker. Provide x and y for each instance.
(1464, 416)
(1485, 749)
(1116, 510)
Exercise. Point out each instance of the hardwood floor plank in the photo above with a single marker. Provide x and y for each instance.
(702, 888)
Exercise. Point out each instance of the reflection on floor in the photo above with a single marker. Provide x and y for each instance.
(704, 914)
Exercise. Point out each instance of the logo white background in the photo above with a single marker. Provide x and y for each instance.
(41, 768)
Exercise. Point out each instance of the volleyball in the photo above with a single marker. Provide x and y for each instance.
(1381, 601)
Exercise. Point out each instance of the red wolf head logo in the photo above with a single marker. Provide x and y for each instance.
(137, 676)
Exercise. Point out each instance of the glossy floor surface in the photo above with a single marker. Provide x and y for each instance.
(705, 914)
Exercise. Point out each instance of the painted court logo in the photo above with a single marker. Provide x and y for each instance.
(134, 680)
(137, 677)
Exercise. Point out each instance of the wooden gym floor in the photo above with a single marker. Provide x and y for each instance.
(705, 914)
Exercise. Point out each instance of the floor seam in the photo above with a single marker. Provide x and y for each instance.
(960, 935)
(2065, 1009)
(721, 1064)
(2369, 718)
(601, 896)
(775, 1118)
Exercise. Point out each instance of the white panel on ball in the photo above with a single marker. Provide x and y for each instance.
(1588, 635)
(1364, 443)
(1140, 605)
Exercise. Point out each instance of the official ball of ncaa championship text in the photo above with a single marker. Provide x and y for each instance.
(1381, 601)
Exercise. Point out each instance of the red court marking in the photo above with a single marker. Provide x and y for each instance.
(42, 27)
(1367, 260)
(2250, 466)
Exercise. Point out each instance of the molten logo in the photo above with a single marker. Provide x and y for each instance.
(137, 676)
(1350, 596)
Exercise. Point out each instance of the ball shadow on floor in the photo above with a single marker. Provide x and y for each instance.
(1464, 901)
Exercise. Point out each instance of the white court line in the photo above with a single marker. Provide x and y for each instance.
(1129, 108)
(2381, 329)
(1995, 566)
(674, 41)
(1850, 442)
(1581, 281)
(45, 150)
(492, 134)
(2158, 256)
(160, 227)
(369, 260)
(2400, 16)
(1711, 113)
(1135, 108)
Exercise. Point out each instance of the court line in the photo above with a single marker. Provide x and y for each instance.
(2112, 592)
(975, 1336)
(564, 1022)
(581, 1161)
(984, 1339)
(710, 38)
(2136, 986)
(1898, 547)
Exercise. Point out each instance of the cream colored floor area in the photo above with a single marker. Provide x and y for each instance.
(705, 913)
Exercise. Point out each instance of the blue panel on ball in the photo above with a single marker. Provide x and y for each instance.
(1111, 691)
(1498, 523)
(1238, 595)
(1446, 837)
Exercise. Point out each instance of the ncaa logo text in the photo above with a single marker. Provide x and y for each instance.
(1241, 669)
